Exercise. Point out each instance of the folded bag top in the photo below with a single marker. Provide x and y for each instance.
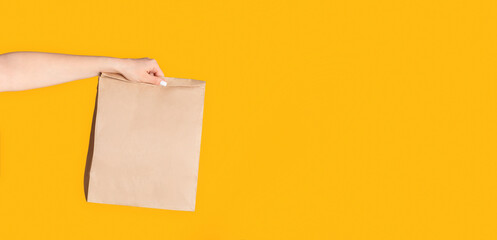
(171, 82)
(145, 143)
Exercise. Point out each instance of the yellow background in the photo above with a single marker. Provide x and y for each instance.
(323, 119)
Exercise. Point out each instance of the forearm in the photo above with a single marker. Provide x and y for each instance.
(27, 70)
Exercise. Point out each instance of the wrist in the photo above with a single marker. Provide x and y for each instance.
(115, 65)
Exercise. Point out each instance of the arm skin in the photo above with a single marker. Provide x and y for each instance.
(28, 70)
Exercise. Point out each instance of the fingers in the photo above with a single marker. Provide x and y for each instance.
(143, 70)
(156, 73)
(153, 68)
(157, 70)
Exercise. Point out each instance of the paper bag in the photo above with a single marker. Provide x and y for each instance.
(145, 143)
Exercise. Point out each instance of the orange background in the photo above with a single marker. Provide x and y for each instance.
(323, 119)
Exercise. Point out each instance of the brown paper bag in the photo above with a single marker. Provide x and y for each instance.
(145, 143)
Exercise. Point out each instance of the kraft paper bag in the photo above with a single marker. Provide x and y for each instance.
(145, 143)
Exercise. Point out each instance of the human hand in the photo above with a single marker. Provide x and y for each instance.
(141, 70)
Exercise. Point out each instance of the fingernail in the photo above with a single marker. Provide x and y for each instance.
(163, 83)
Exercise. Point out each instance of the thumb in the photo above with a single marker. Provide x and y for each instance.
(155, 80)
